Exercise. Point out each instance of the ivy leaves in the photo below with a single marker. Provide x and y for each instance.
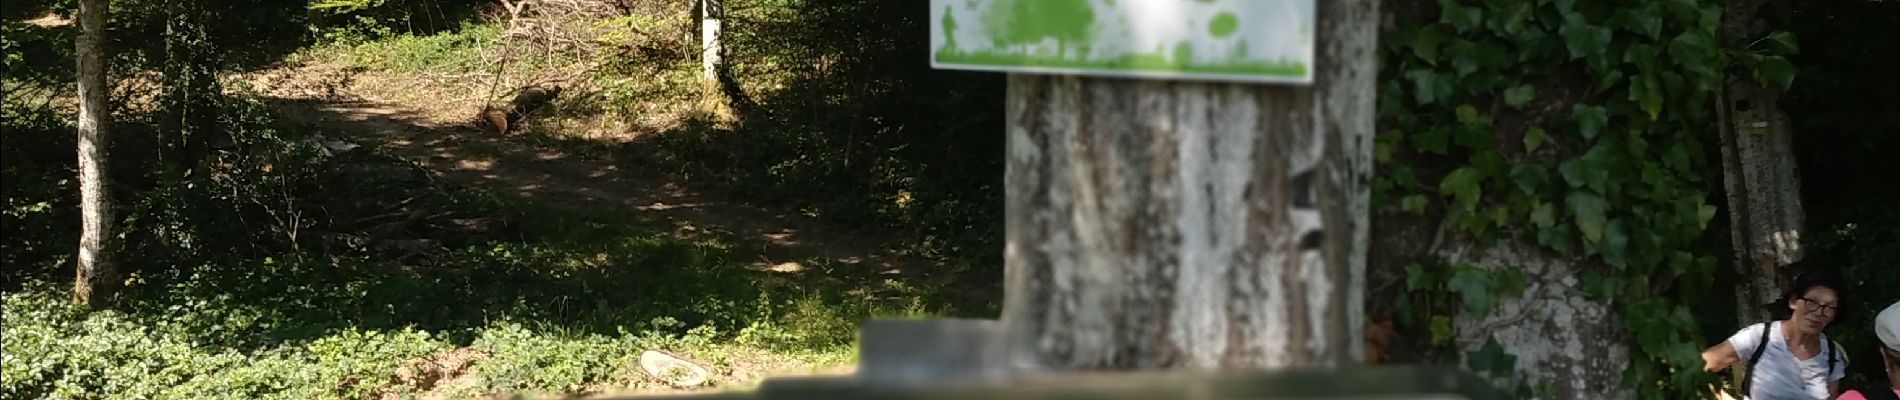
(1518, 96)
(1783, 43)
(1477, 289)
(1576, 124)
(1769, 66)
(1582, 39)
(1590, 119)
(1774, 70)
(1492, 359)
(1463, 184)
(1651, 65)
(1590, 210)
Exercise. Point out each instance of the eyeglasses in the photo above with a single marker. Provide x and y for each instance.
(1818, 306)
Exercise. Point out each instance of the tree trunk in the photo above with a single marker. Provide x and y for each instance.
(96, 276)
(712, 12)
(1559, 335)
(1163, 224)
(1759, 171)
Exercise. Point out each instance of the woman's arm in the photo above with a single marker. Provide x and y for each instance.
(1719, 356)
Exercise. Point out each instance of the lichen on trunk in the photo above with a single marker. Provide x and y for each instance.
(1559, 335)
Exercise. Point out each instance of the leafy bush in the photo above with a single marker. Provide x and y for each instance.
(524, 359)
(459, 51)
(55, 351)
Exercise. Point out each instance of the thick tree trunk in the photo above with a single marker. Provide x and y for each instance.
(1759, 172)
(1559, 335)
(96, 276)
(1159, 224)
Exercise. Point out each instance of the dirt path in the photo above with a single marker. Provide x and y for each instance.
(458, 152)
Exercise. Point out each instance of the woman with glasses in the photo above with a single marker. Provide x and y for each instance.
(1790, 358)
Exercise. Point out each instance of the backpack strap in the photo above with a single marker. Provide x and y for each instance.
(1748, 376)
(1832, 356)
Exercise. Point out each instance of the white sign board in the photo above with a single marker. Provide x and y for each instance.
(1226, 40)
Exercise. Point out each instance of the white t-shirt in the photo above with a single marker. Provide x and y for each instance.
(1779, 375)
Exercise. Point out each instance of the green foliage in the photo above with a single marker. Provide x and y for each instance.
(1477, 289)
(352, 22)
(1492, 359)
(1767, 59)
(39, 206)
(1601, 158)
(585, 293)
(56, 351)
(524, 359)
(34, 55)
(459, 52)
(246, 283)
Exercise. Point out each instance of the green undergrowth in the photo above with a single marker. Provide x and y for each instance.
(458, 51)
(55, 351)
(566, 309)
(561, 301)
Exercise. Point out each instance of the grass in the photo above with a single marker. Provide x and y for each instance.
(458, 51)
(563, 306)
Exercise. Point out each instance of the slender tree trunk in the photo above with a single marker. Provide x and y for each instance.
(97, 276)
(1759, 171)
(712, 12)
(191, 94)
(1160, 224)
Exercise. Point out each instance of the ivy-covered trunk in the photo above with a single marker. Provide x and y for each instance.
(1541, 186)
(1159, 224)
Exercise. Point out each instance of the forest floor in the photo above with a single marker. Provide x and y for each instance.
(447, 142)
(776, 246)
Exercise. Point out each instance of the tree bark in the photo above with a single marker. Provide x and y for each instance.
(1162, 224)
(1559, 335)
(1758, 166)
(712, 13)
(96, 277)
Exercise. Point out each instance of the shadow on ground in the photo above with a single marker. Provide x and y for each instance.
(582, 246)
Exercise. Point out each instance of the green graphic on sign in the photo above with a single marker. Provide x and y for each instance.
(1233, 40)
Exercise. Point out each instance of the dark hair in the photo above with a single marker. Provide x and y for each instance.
(1808, 277)
(1814, 278)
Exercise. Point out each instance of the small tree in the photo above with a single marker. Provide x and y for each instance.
(96, 276)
